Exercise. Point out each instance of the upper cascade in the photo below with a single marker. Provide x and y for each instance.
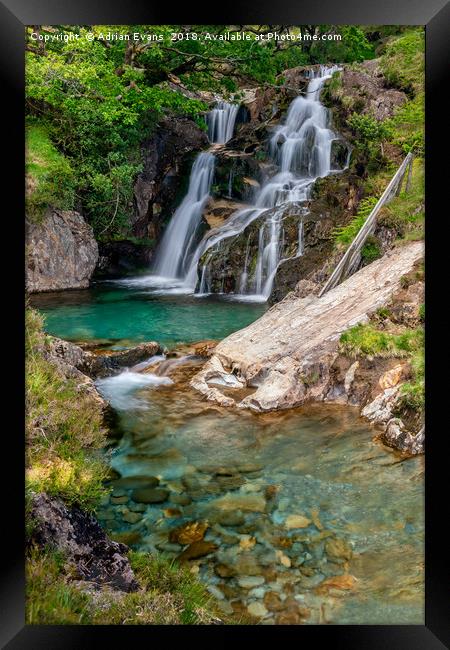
(301, 150)
(221, 120)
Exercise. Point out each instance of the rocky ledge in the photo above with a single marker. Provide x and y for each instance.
(288, 355)
(93, 365)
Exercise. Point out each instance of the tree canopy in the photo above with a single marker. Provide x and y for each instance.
(100, 90)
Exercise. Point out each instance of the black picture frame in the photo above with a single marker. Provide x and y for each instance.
(435, 15)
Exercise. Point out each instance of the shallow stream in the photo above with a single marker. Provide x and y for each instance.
(288, 517)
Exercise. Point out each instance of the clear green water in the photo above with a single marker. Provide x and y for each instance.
(134, 316)
(363, 503)
(358, 557)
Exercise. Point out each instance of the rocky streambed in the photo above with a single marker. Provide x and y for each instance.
(289, 517)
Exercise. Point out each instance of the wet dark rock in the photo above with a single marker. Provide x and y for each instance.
(103, 365)
(86, 365)
(397, 436)
(167, 159)
(79, 536)
(117, 258)
(150, 495)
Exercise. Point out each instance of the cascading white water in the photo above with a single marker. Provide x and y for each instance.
(301, 148)
(221, 121)
(178, 242)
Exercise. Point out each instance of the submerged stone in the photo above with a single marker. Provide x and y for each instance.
(132, 517)
(296, 521)
(197, 549)
(150, 495)
(132, 482)
(191, 531)
(246, 502)
(231, 518)
(257, 609)
(248, 582)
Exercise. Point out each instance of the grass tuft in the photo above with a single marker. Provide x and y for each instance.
(50, 180)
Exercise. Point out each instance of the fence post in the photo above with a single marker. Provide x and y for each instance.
(408, 180)
(344, 266)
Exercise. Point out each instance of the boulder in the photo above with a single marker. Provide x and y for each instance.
(80, 537)
(61, 252)
(287, 354)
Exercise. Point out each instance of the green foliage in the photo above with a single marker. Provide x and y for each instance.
(50, 598)
(169, 595)
(368, 128)
(63, 428)
(175, 579)
(98, 116)
(98, 99)
(346, 234)
(412, 393)
(367, 340)
(50, 180)
(405, 213)
(403, 61)
(371, 250)
(354, 46)
(408, 126)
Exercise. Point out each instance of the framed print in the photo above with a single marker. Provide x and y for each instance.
(226, 386)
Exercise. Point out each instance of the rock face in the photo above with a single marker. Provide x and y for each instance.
(117, 258)
(166, 163)
(365, 91)
(61, 252)
(80, 537)
(287, 354)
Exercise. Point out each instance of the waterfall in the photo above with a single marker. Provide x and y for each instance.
(179, 240)
(221, 121)
(178, 243)
(301, 149)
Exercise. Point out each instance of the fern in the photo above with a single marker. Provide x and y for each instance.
(346, 234)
